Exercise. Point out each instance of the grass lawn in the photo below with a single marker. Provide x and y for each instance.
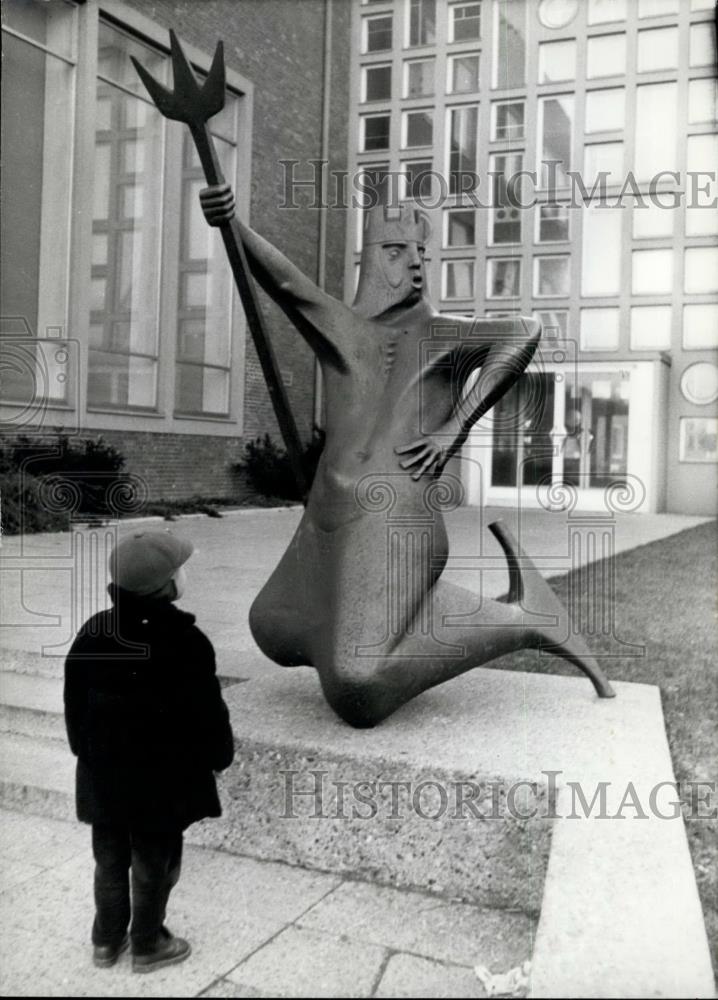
(666, 600)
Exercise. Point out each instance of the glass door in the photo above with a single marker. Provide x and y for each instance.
(561, 428)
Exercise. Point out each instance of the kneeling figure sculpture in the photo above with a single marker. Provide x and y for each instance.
(358, 594)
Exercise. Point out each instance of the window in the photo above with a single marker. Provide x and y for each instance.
(603, 158)
(657, 8)
(418, 128)
(507, 120)
(419, 78)
(509, 63)
(605, 110)
(377, 33)
(143, 211)
(374, 185)
(465, 22)
(376, 83)
(552, 223)
(417, 176)
(557, 61)
(701, 270)
(554, 323)
(702, 50)
(601, 269)
(700, 327)
(551, 278)
(606, 56)
(702, 218)
(650, 220)
(599, 330)
(503, 278)
(37, 168)
(555, 127)
(702, 101)
(375, 132)
(422, 22)
(461, 228)
(656, 148)
(463, 74)
(650, 328)
(603, 11)
(129, 154)
(458, 279)
(462, 149)
(505, 175)
(657, 49)
(652, 272)
(202, 370)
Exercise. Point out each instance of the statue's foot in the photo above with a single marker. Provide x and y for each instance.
(529, 589)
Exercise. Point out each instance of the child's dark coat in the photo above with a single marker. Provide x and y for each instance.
(147, 723)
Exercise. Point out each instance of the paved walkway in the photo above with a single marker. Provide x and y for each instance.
(53, 582)
(258, 929)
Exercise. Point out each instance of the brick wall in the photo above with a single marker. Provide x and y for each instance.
(173, 466)
(178, 466)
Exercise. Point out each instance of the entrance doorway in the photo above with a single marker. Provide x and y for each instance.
(562, 428)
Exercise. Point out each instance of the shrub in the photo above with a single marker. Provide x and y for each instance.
(44, 482)
(22, 508)
(269, 470)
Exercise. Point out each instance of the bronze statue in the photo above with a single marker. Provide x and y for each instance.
(358, 594)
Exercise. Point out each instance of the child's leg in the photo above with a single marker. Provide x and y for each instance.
(111, 850)
(156, 864)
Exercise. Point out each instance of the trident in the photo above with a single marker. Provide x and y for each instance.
(195, 105)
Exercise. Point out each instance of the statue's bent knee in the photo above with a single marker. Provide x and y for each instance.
(361, 702)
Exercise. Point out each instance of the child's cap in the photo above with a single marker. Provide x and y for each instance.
(144, 561)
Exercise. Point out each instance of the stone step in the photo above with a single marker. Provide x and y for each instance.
(31, 703)
(233, 661)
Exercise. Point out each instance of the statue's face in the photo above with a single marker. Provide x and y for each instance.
(403, 265)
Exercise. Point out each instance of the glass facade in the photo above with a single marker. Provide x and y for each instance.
(110, 242)
(570, 174)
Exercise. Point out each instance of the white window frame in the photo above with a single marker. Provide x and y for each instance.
(494, 114)
(447, 219)
(405, 79)
(83, 112)
(452, 21)
(490, 263)
(537, 224)
(363, 90)
(405, 127)
(445, 278)
(451, 62)
(365, 32)
(362, 133)
(471, 106)
(536, 294)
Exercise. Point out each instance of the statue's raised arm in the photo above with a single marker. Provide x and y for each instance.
(317, 316)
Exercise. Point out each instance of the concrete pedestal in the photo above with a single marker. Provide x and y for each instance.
(619, 908)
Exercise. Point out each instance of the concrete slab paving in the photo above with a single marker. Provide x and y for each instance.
(245, 919)
(434, 928)
(225, 988)
(14, 872)
(412, 976)
(235, 555)
(304, 963)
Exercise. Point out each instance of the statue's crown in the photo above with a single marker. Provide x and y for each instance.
(400, 224)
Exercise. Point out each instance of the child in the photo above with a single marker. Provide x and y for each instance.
(146, 720)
